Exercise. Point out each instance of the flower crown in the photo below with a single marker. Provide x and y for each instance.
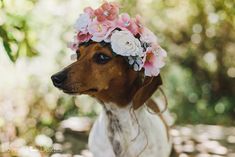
(127, 36)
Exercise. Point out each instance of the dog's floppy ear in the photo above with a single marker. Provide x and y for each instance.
(149, 86)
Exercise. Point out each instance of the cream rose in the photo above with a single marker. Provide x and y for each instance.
(125, 44)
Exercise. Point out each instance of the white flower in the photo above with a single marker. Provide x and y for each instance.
(125, 44)
(82, 22)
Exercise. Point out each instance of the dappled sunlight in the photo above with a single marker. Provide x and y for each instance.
(202, 141)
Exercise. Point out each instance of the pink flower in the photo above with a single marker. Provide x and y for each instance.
(148, 36)
(82, 22)
(153, 61)
(90, 11)
(101, 30)
(107, 11)
(138, 21)
(83, 37)
(126, 23)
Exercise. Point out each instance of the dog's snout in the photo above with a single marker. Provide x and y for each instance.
(59, 78)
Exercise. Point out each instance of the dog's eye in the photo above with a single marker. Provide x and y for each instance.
(78, 54)
(101, 58)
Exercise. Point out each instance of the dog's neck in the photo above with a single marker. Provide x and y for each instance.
(114, 112)
(115, 109)
(122, 126)
(128, 133)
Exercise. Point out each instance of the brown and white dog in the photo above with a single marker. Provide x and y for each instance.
(125, 128)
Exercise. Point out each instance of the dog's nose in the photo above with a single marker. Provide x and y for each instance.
(59, 78)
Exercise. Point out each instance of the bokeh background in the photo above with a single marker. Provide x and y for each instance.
(36, 119)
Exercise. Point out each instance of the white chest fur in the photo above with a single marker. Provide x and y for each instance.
(122, 132)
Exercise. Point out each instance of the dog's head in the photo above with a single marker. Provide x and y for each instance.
(107, 77)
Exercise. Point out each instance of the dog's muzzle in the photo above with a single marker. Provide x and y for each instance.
(59, 78)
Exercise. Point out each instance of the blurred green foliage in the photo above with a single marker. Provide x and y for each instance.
(17, 36)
